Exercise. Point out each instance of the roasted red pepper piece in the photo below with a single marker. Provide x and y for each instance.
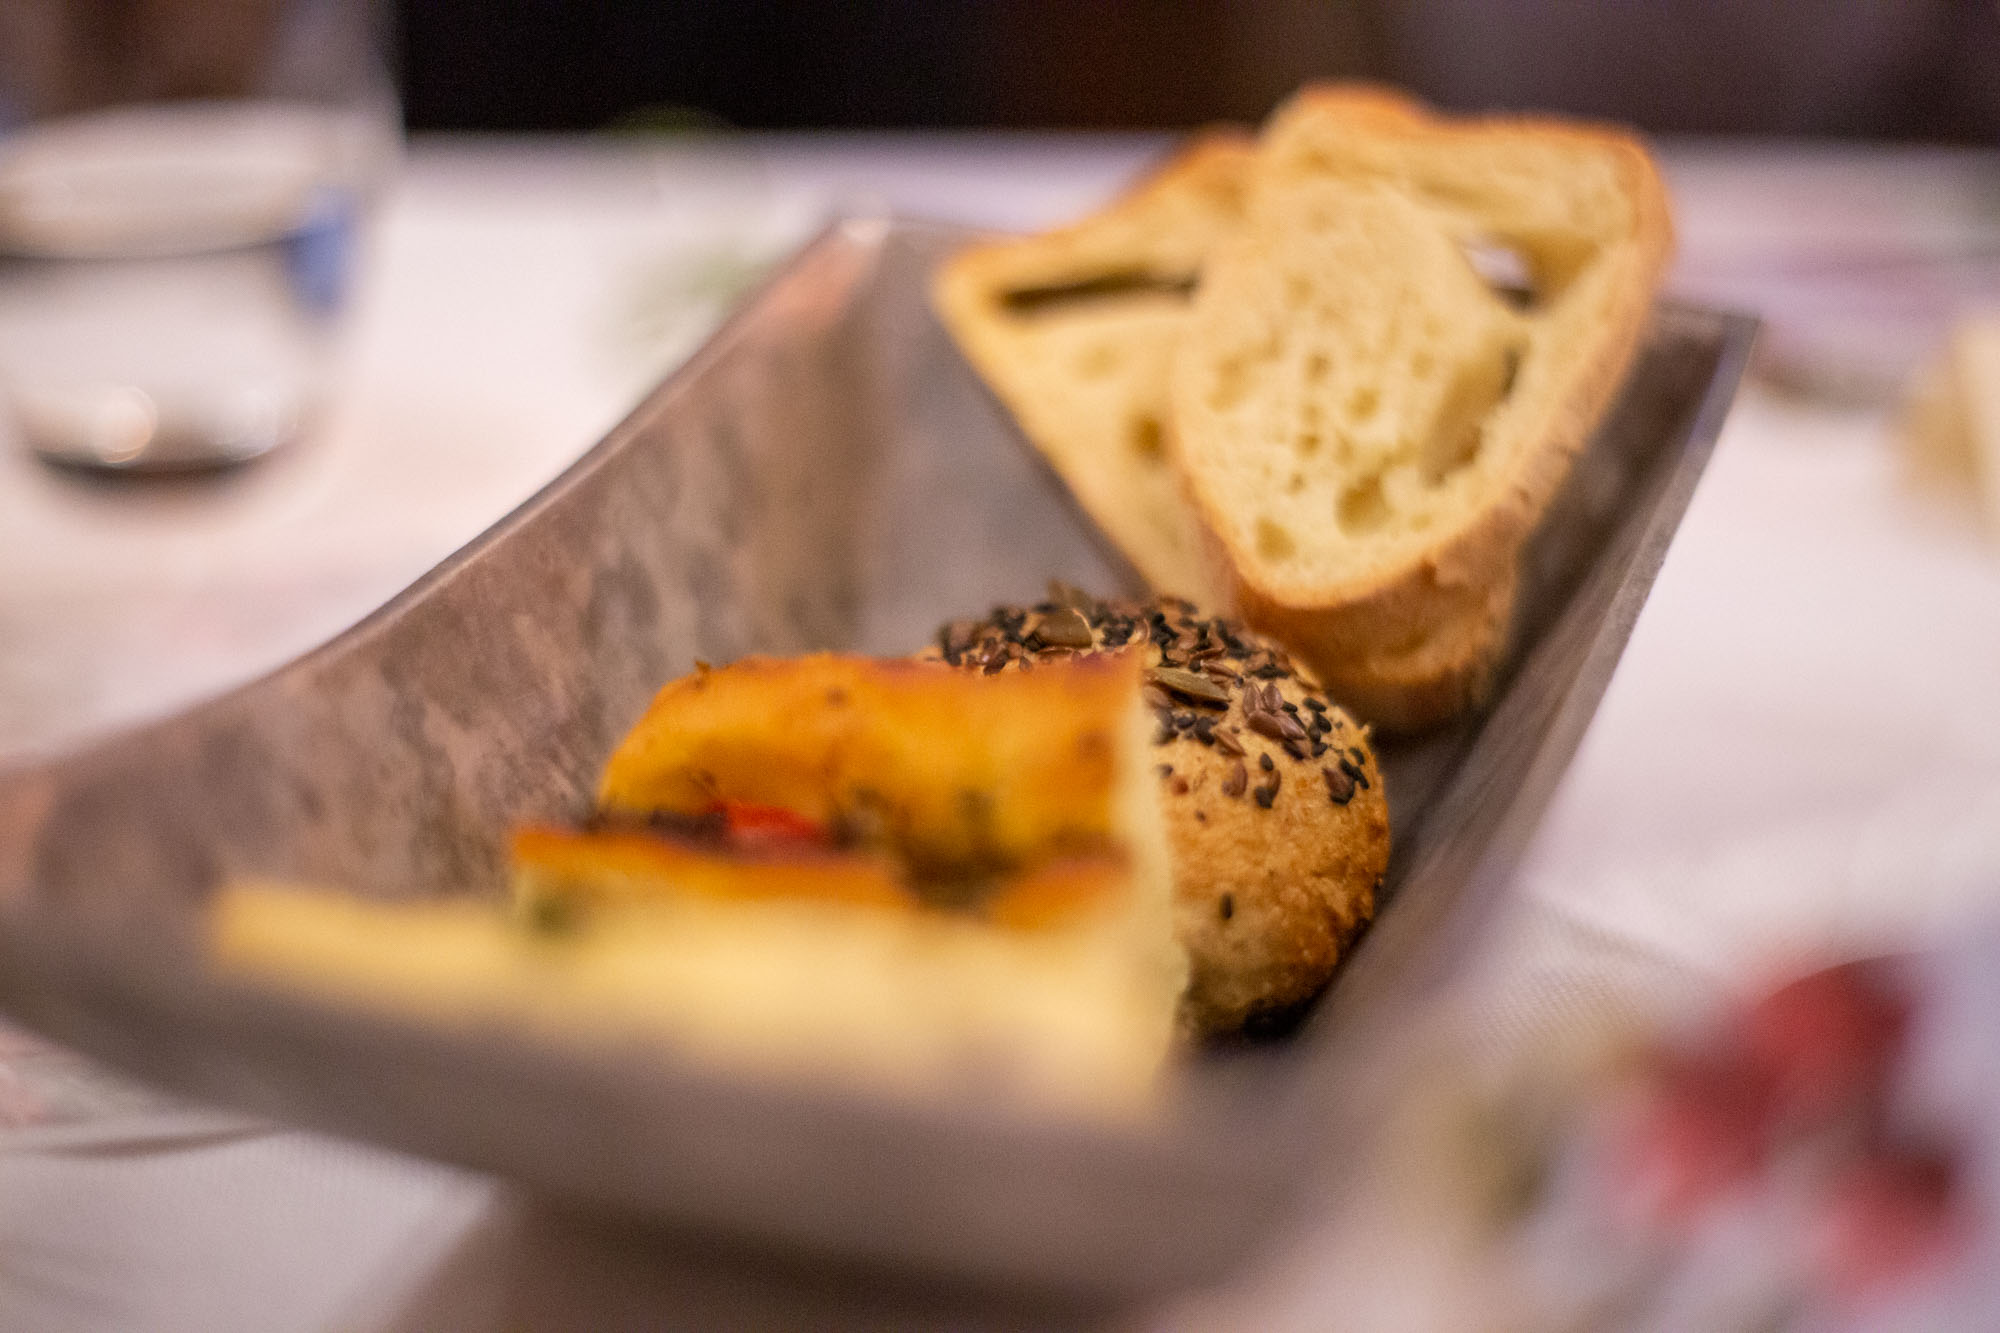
(747, 822)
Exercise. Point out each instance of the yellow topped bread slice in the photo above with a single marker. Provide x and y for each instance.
(954, 776)
(1388, 368)
(1075, 332)
(874, 871)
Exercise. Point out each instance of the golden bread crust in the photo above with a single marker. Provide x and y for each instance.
(953, 773)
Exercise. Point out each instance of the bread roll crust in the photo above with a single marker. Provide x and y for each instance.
(1275, 815)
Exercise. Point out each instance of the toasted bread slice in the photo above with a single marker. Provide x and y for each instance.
(1388, 369)
(1075, 332)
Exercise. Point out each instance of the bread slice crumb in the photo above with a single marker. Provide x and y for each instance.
(1388, 368)
(1075, 332)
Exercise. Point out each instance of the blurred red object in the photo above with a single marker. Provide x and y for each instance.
(1888, 1219)
(1829, 1037)
(1817, 1049)
(1701, 1130)
(749, 824)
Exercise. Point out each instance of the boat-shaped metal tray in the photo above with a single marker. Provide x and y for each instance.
(827, 472)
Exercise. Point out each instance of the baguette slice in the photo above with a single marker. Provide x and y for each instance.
(1388, 369)
(1075, 332)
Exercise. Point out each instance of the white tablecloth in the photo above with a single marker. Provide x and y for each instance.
(1801, 751)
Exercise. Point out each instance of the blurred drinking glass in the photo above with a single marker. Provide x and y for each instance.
(181, 184)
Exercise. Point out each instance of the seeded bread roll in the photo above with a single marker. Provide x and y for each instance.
(1273, 802)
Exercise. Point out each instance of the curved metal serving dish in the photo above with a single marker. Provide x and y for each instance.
(825, 473)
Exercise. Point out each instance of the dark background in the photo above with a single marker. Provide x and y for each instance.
(1927, 69)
